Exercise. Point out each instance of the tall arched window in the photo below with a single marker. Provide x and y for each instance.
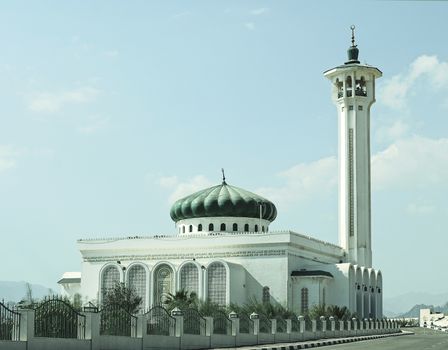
(349, 86)
(235, 227)
(262, 228)
(190, 228)
(199, 227)
(223, 227)
(163, 283)
(137, 281)
(217, 283)
(109, 277)
(266, 297)
(304, 300)
(183, 229)
(256, 228)
(189, 278)
(210, 227)
(246, 227)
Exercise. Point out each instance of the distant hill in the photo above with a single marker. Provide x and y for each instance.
(415, 310)
(403, 303)
(12, 291)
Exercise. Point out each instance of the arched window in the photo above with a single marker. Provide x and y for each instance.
(256, 228)
(304, 300)
(190, 228)
(200, 227)
(210, 227)
(339, 88)
(109, 277)
(223, 227)
(246, 227)
(217, 283)
(266, 297)
(349, 86)
(235, 227)
(189, 278)
(183, 229)
(163, 283)
(137, 281)
(360, 87)
(262, 228)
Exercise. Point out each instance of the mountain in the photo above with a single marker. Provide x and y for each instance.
(402, 304)
(15, 291)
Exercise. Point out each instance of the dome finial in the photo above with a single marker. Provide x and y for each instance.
(352, 27)
(223, 176)
(353, 50)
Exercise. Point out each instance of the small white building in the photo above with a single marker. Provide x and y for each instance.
(430, 319)
(224, 250)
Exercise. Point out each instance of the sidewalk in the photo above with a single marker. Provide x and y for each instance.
(316, 343)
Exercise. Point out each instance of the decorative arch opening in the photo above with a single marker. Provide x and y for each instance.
(183, 229)
(246, 227)
(211, 227)
(199, 227)
(189, 278)
(217, 283)
(360, 87)
(339, 88)
(109, 277)
(137, 281)
(256, 228)
(190, 228)
(163, 283)
(223, 227)
(235, 227)
(349, 86)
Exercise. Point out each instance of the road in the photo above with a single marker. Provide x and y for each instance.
(423, 339)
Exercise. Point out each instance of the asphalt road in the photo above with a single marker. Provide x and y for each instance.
(423, 339)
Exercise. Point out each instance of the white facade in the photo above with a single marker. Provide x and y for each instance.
(232, 259)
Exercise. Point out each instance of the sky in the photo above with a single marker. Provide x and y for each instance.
(111, 110)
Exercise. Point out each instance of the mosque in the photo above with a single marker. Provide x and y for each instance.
(224, 251)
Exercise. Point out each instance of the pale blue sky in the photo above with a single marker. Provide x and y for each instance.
(111, 109)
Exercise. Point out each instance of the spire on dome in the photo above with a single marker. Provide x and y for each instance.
(353, 50)
(223, 176)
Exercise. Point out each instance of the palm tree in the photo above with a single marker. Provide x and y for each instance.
(182, 299)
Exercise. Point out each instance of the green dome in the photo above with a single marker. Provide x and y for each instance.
(223, 200)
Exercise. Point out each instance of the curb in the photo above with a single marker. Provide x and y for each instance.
(327, 342)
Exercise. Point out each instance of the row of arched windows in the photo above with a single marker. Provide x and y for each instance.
(163, 283)
(223, 227)
(360, 87)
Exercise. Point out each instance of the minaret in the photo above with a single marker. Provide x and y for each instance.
(354, 93)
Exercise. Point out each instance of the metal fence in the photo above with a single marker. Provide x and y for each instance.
(308, 324)
(265, 324)
(9, 323)
(115, 320)
(295, 325)
(246, 324)
(281, 325)
(194, 323)
(56, 318)
(159, 322)
(221, 323)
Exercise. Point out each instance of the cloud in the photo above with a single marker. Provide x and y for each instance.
(391, 132)
(411, 163)
(96, 124)
(420, 209)
(260, 11)
(53, 102)
(181, 189)
(249, 25)
(304, 181)
(8, 156)
(396, 91)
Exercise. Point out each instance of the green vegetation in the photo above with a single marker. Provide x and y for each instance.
(122, 297)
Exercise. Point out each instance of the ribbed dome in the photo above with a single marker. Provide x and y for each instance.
(222, 200)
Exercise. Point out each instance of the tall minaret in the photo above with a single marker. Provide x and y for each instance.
(354, 93)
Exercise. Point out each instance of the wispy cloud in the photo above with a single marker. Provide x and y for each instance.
(392, 131)
(396, 91)
(260, 11)
(95, 124)
(51, 102)
(8, 157)
(249, 25)
(182, 188)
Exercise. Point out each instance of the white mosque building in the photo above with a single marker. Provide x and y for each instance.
(224, 251)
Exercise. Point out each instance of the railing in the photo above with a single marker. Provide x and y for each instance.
(221, 323)
(246, 324)
(194, 323)
(159, 322)
(308, 324)
(115, 320)
(265, 324)
(56, 318)
(295, 324)
(9, 323)
(281, 325)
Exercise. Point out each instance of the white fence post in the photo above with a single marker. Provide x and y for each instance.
(256, 318)
(26, 324)
(235, 323)
(179, 317)
(301, 324)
